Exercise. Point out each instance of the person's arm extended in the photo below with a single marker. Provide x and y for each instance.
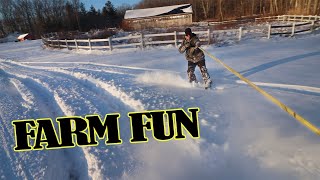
(197, 45)
(183, 47)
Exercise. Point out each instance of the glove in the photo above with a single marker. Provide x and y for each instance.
(182, 49)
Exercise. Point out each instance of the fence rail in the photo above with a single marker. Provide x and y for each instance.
(140, 40)
(295, 18)
(292, 29)
(307, 23)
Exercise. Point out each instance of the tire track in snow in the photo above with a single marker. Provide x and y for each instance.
(85, 77)
(30, 103)
(97, 67)
(24, 92)
(113, 90)
(8, 107)
(67, 110)
(108, 162)
(64, 170)
(104, 86)
(98, 64)
(95, 162)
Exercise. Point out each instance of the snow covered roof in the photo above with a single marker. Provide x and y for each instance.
(23, 36)
(158, 11)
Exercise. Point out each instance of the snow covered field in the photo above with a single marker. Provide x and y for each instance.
(243, 135)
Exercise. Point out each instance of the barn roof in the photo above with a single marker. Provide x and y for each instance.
(23, 36)
(158, 11)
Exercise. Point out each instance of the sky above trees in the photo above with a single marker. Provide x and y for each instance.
(98, 4)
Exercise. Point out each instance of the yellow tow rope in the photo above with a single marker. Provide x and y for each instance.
(299, 118)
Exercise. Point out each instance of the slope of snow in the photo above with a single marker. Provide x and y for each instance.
(243, 135)
(10, 38)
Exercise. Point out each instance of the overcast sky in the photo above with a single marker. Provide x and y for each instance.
(98, 4)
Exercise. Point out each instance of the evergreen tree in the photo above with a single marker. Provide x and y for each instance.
(109, 12)
(83, 11)
(92, 11)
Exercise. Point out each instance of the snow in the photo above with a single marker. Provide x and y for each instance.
(149, 12)
(10, 38)
(243, 135)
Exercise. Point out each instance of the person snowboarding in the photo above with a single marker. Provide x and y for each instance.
(195, 57)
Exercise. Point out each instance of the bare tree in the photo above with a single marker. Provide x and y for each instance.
(7, 12)
(76, 6)
(316, 7)
(220, 5)
(206, 7)
(24, 14)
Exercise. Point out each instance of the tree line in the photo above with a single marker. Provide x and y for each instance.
(232, 9)
(41, 16)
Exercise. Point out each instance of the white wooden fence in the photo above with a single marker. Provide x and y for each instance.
(141, 40)
(295, 18)
(298, 24)
(307, 23)
(293, 28)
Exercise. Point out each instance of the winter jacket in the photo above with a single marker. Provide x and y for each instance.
(193, 53)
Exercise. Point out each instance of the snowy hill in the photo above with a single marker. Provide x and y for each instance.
(243, 135)
(10, 38)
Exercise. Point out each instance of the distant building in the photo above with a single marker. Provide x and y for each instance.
(160, 17)
(24, 37)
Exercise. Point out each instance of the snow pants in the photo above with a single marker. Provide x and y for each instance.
(203, 69)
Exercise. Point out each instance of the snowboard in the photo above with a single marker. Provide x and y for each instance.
(213, 86)
(202, 85)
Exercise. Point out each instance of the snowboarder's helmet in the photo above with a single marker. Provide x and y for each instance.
(188, 31)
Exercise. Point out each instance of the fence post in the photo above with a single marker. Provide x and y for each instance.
(59, 44)
(110, 43)
(240, 33)
(269, 31)
(175, 39)
(293, 28)
(89, 41)
(142, 44)
(312, 26)
(75, 40)
(209, 36)
(66, 43)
